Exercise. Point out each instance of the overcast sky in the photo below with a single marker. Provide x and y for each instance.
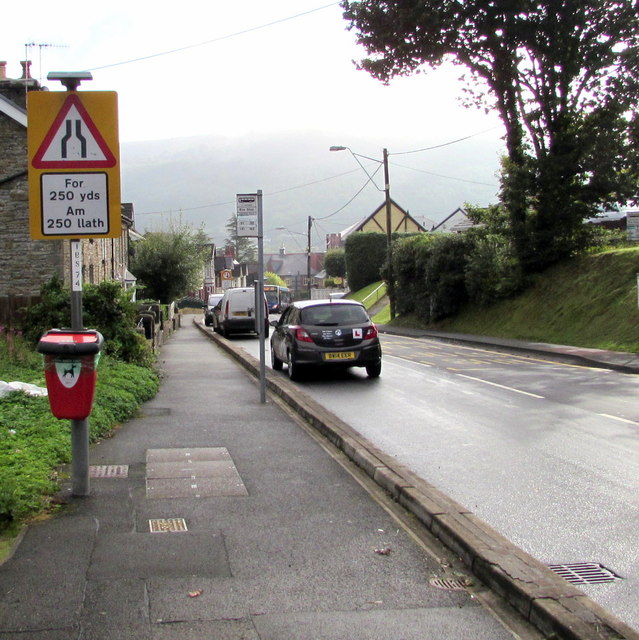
(248, 77)
(237, 69)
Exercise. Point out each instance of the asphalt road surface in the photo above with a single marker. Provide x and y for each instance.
(547, 453)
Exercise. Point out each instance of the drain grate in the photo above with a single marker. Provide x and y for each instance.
(167, 525)
(450, 584)
(109, 471)
(584, 573)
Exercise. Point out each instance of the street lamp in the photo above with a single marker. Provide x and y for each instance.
(308, 250)
(389, 237)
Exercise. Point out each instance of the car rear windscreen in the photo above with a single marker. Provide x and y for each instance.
(333, 314)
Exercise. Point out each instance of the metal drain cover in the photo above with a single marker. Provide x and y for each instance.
(109, 471)
(584, 573)
(167, 525)
(450, 584)
(154, 412)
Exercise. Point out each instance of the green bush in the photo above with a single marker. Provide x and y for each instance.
(429, 274)
(106, 307)
(33, 443)
(365, 255)
(492, 270)
(445, 278)
(410, 266)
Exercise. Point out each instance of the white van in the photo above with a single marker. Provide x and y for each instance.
(235, 312)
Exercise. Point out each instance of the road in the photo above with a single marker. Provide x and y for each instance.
(546, 453)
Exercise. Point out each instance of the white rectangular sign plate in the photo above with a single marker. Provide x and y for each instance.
(75, 204)
(246, 209)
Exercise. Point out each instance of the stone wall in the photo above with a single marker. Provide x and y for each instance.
(24, 263)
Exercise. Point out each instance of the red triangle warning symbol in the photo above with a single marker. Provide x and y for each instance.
(73, 141)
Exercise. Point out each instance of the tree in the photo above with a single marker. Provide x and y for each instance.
(365, 254)
(273, 278)
(169, 263)
(243, 247)
(335, 263)
(563, 76)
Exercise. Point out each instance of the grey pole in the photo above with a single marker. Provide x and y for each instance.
(308, 257)
(79, 428)
(260, 296)
(389, 236)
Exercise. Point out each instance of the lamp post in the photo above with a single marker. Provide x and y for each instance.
(389, 235)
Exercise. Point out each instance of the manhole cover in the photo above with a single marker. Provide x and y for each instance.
(584, 573)
(109, 471)
(167, 525)
(450, 584)
(153, 412)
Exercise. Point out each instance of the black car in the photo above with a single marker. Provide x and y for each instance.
(325, 333)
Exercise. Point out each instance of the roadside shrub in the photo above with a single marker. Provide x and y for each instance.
(429, 272)
(445, 277)
(190, 302)
(365, 255)
(106, 307)
(600, 238)
(410, 264)
(492, 271)
(33, 443)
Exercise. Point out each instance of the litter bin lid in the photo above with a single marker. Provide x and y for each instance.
(61, 341)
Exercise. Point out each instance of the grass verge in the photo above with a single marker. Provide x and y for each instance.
(33, 443)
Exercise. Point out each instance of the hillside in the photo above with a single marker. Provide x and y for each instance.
(589, 301)
(197, 179)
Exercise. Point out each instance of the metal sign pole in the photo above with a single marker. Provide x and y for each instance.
(79, 428)
(260, 296)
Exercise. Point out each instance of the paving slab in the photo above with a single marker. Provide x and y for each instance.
(296, 555)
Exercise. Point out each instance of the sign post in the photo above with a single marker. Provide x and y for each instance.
(249, 224)
(74, 193)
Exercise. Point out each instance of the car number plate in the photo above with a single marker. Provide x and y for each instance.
(341, 355)
(240, 313)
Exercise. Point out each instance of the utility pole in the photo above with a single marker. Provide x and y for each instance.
(389, 236)
(308, 256)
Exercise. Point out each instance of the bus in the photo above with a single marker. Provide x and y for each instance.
(278, 298)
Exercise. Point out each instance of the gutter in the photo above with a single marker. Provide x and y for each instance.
(555, 607)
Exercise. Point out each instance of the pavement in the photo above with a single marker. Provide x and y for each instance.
(213, 515)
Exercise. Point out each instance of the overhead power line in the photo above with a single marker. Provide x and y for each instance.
(213, 40)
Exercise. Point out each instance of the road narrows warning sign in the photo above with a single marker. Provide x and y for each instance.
(73, 141)
(74, 173)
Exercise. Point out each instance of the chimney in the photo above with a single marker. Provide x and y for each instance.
(26, 70)
(3, 70)
(282, 250)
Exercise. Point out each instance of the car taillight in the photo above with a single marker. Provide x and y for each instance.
(226, 309)
(371, 332)
(301, 335)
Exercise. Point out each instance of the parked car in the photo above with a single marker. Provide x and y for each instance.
(214, 298)
(325, 333)
(235, 312)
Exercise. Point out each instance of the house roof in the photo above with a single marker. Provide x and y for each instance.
(290, 264)
(358, 226)
(13, 111)
(450, 224)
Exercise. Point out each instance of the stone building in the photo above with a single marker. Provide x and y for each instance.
(25, 264)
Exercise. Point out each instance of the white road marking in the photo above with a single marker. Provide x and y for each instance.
(501, 386)
(607, 415)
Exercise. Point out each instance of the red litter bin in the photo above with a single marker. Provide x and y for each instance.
(70, 362)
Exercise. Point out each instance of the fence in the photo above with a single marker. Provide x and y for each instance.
(11, 307)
